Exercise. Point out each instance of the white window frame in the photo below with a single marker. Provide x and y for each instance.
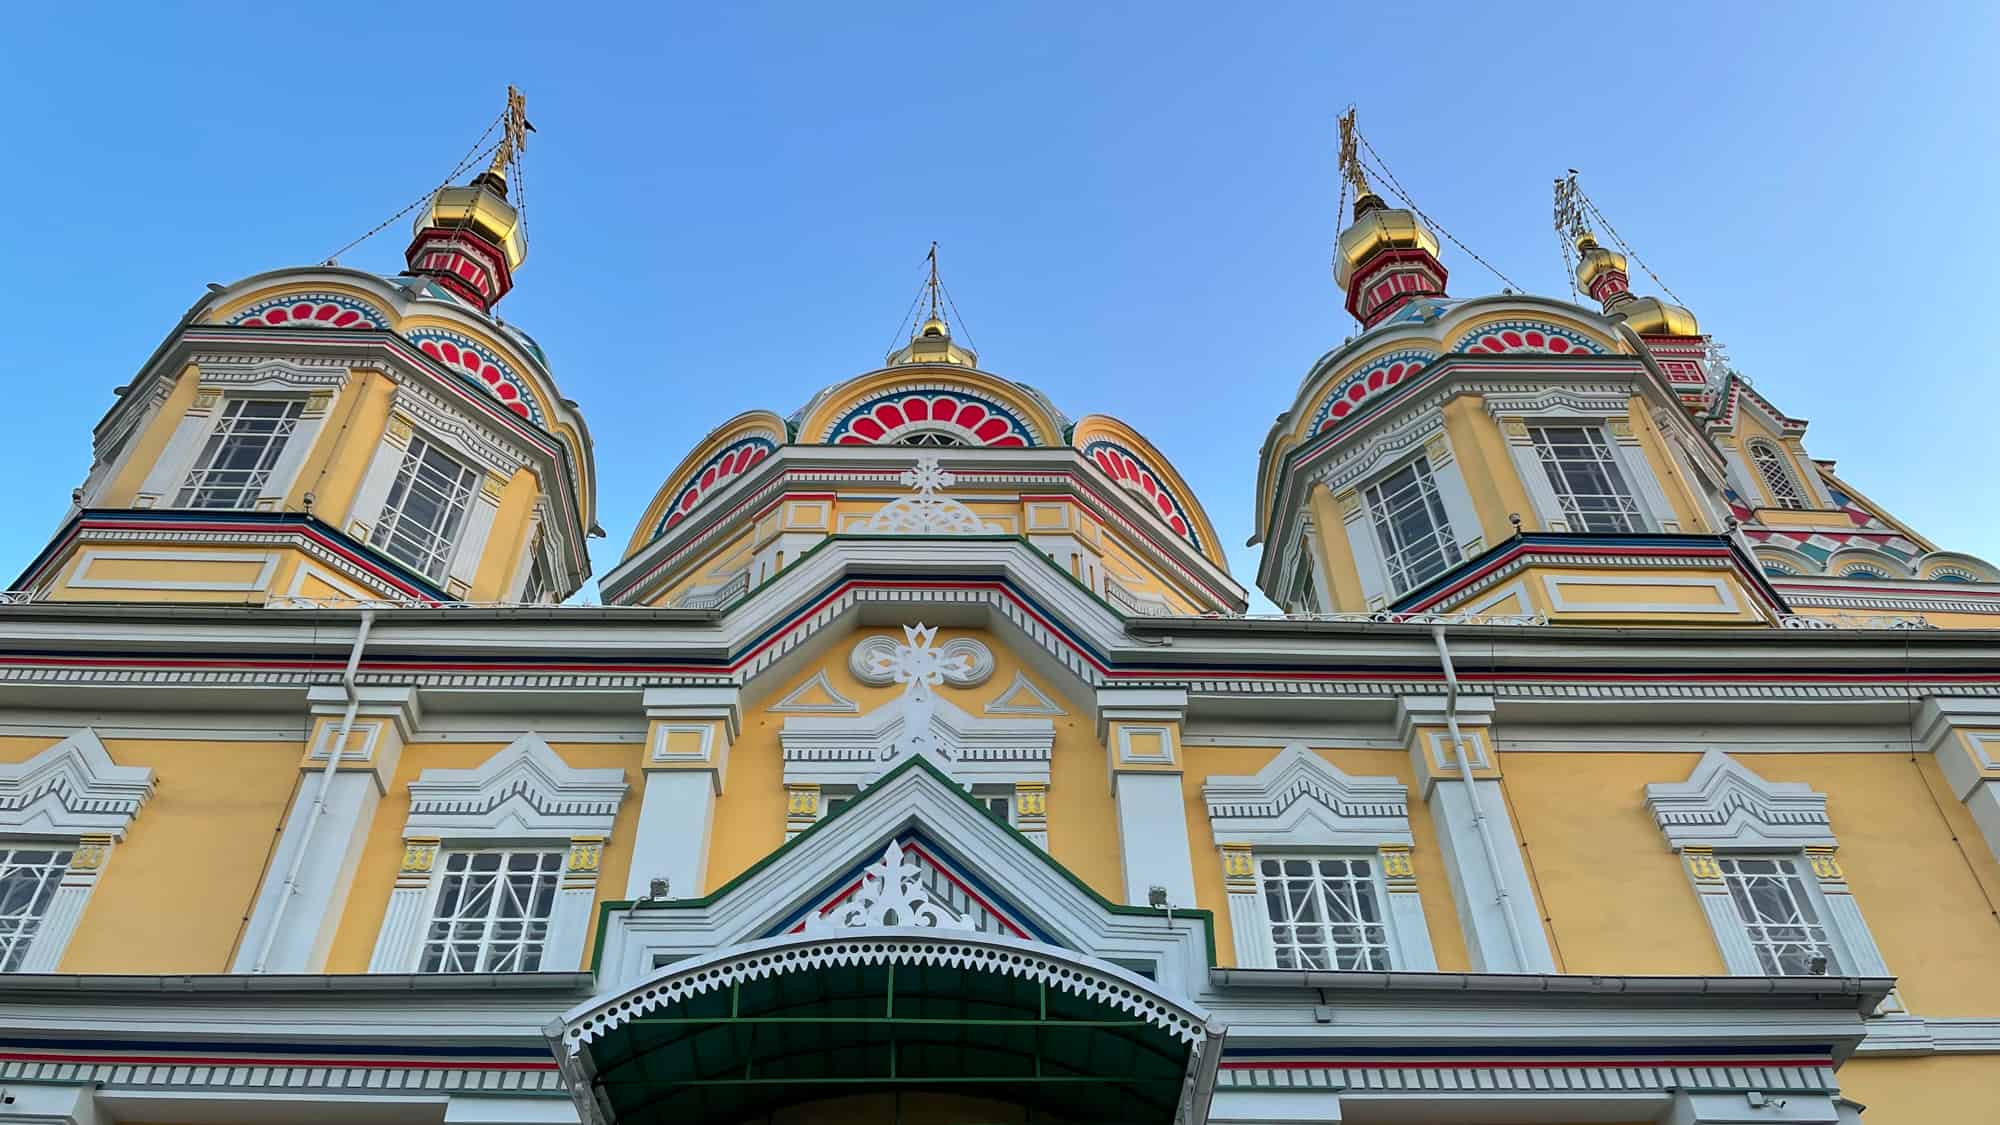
(441, 544)
(1304, 592)
(1801, 888)
(70, 797)
(1775, 474)
(1600, 443)
(1301, 806)
(524, 798)
(317, 389)
(257, 483)
(1380, 956)
(1724, 811)
(19, 932)
(1425, 478)
(444, 875)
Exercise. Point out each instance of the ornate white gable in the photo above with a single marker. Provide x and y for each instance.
(1723, 804)
(926, 513)
(524, 790)
(894, 891)
(1301, 799)
(855, 750)
(72, 789)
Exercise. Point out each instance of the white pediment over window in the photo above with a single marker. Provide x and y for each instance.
(1723, 804)
(1301, 799)
(855, 750)
(72, 789)
(525, 790)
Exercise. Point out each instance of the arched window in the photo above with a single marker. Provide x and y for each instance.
(931, 438)
(1777, 477)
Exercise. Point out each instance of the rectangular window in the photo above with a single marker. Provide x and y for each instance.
(28, 881)
(998, 805)
(1325, 913)
(538, 587)
(426, 507)
(1586, 479)
(236, 463)
(492, 912)
(1779, 915)
(1410, 521)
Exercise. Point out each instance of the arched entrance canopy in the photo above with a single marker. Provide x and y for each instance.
(741, 1035)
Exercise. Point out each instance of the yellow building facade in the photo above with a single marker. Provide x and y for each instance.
(1611, 760)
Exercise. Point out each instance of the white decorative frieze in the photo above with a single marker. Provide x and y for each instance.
(72, 789)
(893, 892)
(1300, 798)
(816, 696)
(919, 664)
(926, 512)
(1723, 804)
(524, 790)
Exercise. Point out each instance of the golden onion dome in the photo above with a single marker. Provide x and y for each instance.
(481, 207)
(1650, 316)
(1594, 261)
(1378, 227)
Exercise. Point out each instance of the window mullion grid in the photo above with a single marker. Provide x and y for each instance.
(29, 879)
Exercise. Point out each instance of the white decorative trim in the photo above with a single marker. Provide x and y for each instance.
(72, 789)
(836, 704)
(917, 664)
(892, 893)
(1723, 804)
(854, 751)
(1726, 603)
(702, 754)
(1043, 705)
(525, 790)
(925, 513)
(1299, 799)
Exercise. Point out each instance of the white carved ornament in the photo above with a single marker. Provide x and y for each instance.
(72, 789)
(892, 893)
(926, 513)
(1723, 804)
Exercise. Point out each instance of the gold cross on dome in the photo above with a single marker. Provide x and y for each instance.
(1350, 155)
(515, 139)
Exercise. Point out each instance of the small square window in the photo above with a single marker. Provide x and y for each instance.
(492, 912)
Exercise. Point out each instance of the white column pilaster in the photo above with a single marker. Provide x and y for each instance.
(1963, 734)
(37, 1103)
(1781, 1107)
(297, 923)
(688, 735)
(1476, 837)
(65, 910)
(1141, 729)
(402, 931)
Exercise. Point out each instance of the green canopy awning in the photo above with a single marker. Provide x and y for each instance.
(901, 1014)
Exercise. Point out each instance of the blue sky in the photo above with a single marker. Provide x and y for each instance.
(729, 204)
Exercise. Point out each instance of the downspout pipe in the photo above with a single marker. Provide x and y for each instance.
(333, 753)
(1480, 825)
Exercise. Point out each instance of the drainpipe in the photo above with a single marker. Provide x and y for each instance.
(1479, 822)
(338, 746)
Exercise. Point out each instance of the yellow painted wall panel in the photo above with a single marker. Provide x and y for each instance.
(156, 569)
(1616, 898)
(1939, 1090)
(506, 542)
(347, 443)
(381, 858)
(175, 894)
(1433, 886)
(1680, 493)
(1487, 467)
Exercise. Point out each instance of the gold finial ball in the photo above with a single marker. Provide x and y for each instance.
(934, 328)
(1378, 228)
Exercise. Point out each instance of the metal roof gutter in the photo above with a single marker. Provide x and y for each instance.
(1865, 993)
(14, 986)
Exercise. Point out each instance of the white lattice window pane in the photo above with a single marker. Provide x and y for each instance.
(1325, 913)
(1779, 915)
(236, 463)
(1411, 525)
(29, 878)
(492, 913)
(1585, 476)
(1777, 478)
(426, 508)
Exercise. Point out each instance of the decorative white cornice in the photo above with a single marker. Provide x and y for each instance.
(1300, 798)
(802, 700)
(1723, 804)
(72, 789)
(524, 790)
(927, 512)
(892, 893)
(854, 750)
